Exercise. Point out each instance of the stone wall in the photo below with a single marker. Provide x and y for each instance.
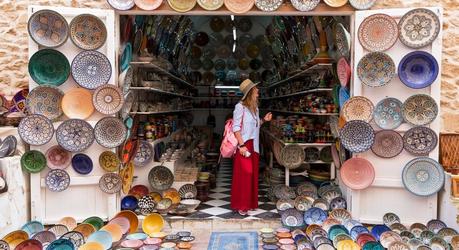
(14, 41)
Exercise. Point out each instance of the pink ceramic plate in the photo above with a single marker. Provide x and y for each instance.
(239, 6)
(58, 158)
(357, 173)
(148, 4)
(344, 71)
(132, 243)
(122, 222)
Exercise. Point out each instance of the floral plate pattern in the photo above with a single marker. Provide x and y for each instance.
(388, 113)
(45, 100)
(362, 4)
(268, 5)
(357, 136)
(110, 132)
(110, 183)
(88, 32)
(211, 4)
(423, 176)
(358, 108)
(36, 130)
(376, 69)
(342, 40)
(292, 217)
(420, 109)
(108, 99)
(48, 28)
(420, 140)
(388, 144)
(160, 178)
(144, 154)
(378, 32)
(239, 6)
(75, 135)
(91, 69)
(121, 4)
(57, 180)
(419, 28)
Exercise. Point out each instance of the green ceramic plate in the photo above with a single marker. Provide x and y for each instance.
(48, 66)
(97, 222)
(372, 245)
(33, 161)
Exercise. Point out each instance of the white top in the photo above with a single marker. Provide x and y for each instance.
(250, 129)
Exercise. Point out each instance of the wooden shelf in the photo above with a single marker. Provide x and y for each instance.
(299, 143)
(160, 91)
(163, 71)
(298, 93)
(160, 112)
(319, 66)
(301, 113)
(206, 109)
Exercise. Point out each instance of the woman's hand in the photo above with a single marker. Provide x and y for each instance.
(268, 117)
(242, 150)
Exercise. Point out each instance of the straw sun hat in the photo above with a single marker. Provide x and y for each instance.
(246, 86)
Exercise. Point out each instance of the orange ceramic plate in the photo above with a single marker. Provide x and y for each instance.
(127, 174)
(91, 246)
(69, 222)
(132, 217)
(85, 229)
(153, 223)
(15, 238)
(77, 103)
(239, 6)
(182, 5)
(148, 4)
(115, 231)
(172, 194)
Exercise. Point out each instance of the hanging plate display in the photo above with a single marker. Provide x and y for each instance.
(418, 69)
(75, 135)
(239, 6)
(419, 28)
(58, 158)
(109, 161)
(110, 132)
(362, 4)
(268, 5)
(182, 5)
(82, 164)
(148, 4)
(108, 99)
(77, 103)
(121, 4)
(388, 144)
(33, 161)
(48, 66)
(36, 130)
(343, 71)
(358, 108)
(45, 100)
(420, 140)
(335, 3)
(127, 175)
(110, 183)
(91, 69)
(305, 5)
(378, 32)
(57, 180)
(357, 136)
(211, 5)
(88, 32)
(376, 69)
(292, 156)
(343, 96)
(48, 28)
(144, 154)
(423, 176)
(342, 40)
(419, 109)
(357, 173)
(388, 113)
(160, 178)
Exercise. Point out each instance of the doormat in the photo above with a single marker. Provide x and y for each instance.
(233, 241)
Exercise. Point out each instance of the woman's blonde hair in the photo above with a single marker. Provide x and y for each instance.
(251, 102)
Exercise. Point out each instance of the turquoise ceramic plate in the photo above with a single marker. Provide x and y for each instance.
(48, 66)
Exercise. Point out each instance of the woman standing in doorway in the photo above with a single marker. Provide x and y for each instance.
(246, 128)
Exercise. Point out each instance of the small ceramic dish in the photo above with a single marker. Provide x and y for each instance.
(82, 164)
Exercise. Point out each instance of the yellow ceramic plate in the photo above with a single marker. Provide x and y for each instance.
(15, 238)
(211, 4)
(182, 5)
(156, 196)
(160, 235)
(172, 194)
(69, 222)
(347, 245)
(91, 246)
(132, 217)
(127, 174)
(77, 103)
(85, 229)
(239, 6)
(153, 223)
(109, 161)
(115, 231)
(335, 3)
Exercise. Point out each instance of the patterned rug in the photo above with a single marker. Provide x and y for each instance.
(233, 241)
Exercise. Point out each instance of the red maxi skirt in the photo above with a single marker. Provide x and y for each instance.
(244, 188)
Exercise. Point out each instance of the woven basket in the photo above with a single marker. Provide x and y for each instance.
(449, 152)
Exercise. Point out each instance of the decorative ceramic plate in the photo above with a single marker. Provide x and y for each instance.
(335, 3)
(36, 130)
(388, 113)
(76, 238)
(292, 156)
(388, 144)
(362, 4)
(305, 5)
(419, 109)
(121, 4)
(315, 215)
(188, 191)
(292, 218)
(173, 195)
(435, 225)
(284, 204)
(211, 4)
(378, 32)
(418, 69)
(45, 237)
(148, 4)
(88, 32)
(127, 175)
(390, 218)
(419, 28)
(182, 5)
(77, 103)
(389, 237)
(58, 158)
(19, 101)
(303, 202)
(357, 136)
(109, 161)
(82, 164)
(239, 6)
(110, 132)
(126, 57)
(378, 230)
(338, 202)
(91, 69)
(398, 227)
(343, 71)
(268, 5)
(423, 176)
(33, 161)
(45, 100)
(349, 224)
(29, 244)
(342, 40)
(160, 178)
(57, 180)
(48, 66)
(75, 135)
(48, 28)
(311, 154)
(340, 214)
(108, 99)
(397, 245)
(358, 108)
(357, 173)
(306, 187)
(110, 183)
(144, 154)
(420, 140)
(376, 69)
(326, 154)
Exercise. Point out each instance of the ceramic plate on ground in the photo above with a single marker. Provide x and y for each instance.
(160, 178)
(420, 140)
(58, 158)
(110, 183)
(211, 4)
(144, 154)
(109, 161)
(188, 191)
(88, 32)
(33, 161)
(358, 108)
(376, 69)
(108, 99)
(315, 215)
(29, 244)
(292, 156)
(388, 144)
(284, 204)
(268, 5)
(423, 176)
(343, 70)
(75, 135)
(335, 3)
(418, 69)
(148, 4)
(390, 218)
(419, 109)
(388, 113)
(57, 180)
(342, 40)
(292, 218)
(357, 173)
(91, 69)
(419, 28)
(48, 28)
(36, 130)
(388, 238)
(45, 237)
(45, 100)
(182, 5)
(48, 66)
(340, 214)
(362, 4)
(82, 164)
(357, 136)
(77, 103)
(303, 202)
(110, 132)
(378, 32)
(239, 6)
(121, 4)
(305, 5)
(435, 225)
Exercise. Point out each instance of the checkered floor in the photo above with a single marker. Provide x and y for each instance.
(218, 205)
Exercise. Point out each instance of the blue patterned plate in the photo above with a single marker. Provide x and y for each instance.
(377, 230)
(357, 136)
(292, 217)
(110, 132)
(418, 69)
(343, 96)
(57, 180)
(48, 28)
(91, 69)
(36, 130)
(419, 28)
(376, 69)
(420, 140)
(388, 113)
(423, 176)
(45, 100)
(358, 230)
(75, 135)
(315, 215)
